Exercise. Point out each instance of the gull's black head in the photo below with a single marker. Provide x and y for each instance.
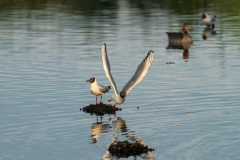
(91, 80)
(204, 16)
(122, 94)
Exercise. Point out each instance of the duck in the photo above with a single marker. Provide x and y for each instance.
(98, 89)
(209, 19)
(180, 37)
(141, 71)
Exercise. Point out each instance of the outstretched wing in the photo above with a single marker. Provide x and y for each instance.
(106, 66)
(140, 72)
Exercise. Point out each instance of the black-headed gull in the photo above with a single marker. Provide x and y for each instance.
(96, 89)
(137, 77)
(180, 37)
(208, 19)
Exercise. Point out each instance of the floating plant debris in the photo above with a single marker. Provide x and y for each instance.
(125, 149)
(170, 63)
(100, 109)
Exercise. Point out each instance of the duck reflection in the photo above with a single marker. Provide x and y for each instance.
(182, 46)
(121, 129)
(207, 33)
(185, 54)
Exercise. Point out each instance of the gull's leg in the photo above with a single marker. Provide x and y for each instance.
(114, 110)
(213, 26)
(101, 99)
(110, 100)
(96, 100)
(114, 107)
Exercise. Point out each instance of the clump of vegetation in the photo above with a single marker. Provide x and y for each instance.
(170, 63)
(100, 109)
(125, 149)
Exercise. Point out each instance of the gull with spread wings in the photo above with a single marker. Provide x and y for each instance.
(137, 77)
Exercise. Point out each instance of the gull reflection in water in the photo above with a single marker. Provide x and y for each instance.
(182, 46)
(98, 128)
(121, 129)
(208, 32)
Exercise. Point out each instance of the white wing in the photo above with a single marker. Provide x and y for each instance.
(140, 72)
(106, 66)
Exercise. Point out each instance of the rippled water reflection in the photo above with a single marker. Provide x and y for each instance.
(187, 110)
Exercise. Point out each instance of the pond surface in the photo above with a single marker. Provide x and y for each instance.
(187, 110)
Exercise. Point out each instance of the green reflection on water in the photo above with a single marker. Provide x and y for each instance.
(84, 7)
(91, 6)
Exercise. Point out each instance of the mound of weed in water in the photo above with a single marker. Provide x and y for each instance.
(125, 149)
(100, 109)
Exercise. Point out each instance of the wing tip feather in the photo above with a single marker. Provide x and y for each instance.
(104, 47)
(150, 54)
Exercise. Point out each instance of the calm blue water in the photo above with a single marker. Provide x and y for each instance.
(187, 110)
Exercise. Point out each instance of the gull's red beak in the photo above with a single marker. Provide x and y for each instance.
(87, 81)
